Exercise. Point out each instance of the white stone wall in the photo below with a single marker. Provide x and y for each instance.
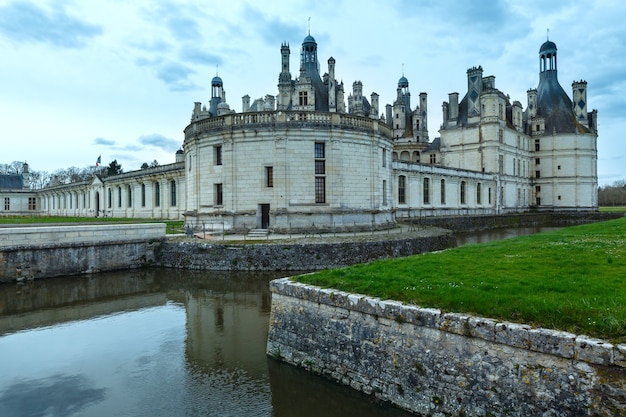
(353, 159)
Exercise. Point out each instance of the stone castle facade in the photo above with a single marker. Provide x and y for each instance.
(304, 159)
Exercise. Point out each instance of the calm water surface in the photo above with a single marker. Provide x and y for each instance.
(160, 343)
(154, 343)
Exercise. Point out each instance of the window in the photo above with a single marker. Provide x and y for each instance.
(172, 193)
(384, 192)
(303, 98)
(433, 158)
(269, 177)
(537, 147)
(320, 167)
(319, 150)
(7, 203)
(384, 157)
(478, 194)
(219, 196)
(110, 198)
(500, 136)
(32, 203)
(320, 189)
(217, 154)
(119, 196)
(129, 195)
(401, 189)
(157, 194)
(537, 161)
(489, 195)
(189, 163)
(143, 195)
(462, 192)
(537, 174)
(426, 187)
(443, 192)
(320, 171)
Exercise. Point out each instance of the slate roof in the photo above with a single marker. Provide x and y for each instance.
(11, 182)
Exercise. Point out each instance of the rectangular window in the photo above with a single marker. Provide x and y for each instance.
(7, 203)
(319, 150)
(217, 154)
(443, 192)
(433, 158)
(303, 98)
(479, 197)
(384, 157)
(32, 203)
(157, 194)
(426, 190)
(320, 169)
(119, 196)
(537, 161)
(130, 195)
(143, 195)
(537, 147)
(489, 195)
(173, 192)
(269, 177)
(384, 192)
(320, 189)
(537, 174)
(401, 189)
(219, 197)
(462, 192)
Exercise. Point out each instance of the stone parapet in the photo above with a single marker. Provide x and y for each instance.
(436, 363)
(84, 234)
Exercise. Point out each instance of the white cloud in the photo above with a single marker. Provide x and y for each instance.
(116, 70)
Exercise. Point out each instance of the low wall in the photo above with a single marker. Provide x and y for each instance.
(45, 252)
(434, 363)
(291, 257)
(500, 221)
(69, 234)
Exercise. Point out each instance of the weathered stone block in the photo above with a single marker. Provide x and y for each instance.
(593, 350)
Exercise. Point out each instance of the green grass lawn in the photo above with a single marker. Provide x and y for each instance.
(613, 209)
(573, 279)
(172, 226)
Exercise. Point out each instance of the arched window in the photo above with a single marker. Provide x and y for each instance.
(402, 189)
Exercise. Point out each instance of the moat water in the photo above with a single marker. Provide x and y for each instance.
(158, 343)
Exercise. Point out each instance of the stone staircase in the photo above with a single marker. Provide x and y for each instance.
(257, 234)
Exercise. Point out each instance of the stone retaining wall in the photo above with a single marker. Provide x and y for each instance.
(440, 364)
(45, 252)
(84, 234)
(308, 256)
(475, 223)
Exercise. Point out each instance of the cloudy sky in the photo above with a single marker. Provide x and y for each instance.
(79, 79)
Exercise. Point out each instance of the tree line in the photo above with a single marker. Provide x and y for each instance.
(42, 179)
(612, 195)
